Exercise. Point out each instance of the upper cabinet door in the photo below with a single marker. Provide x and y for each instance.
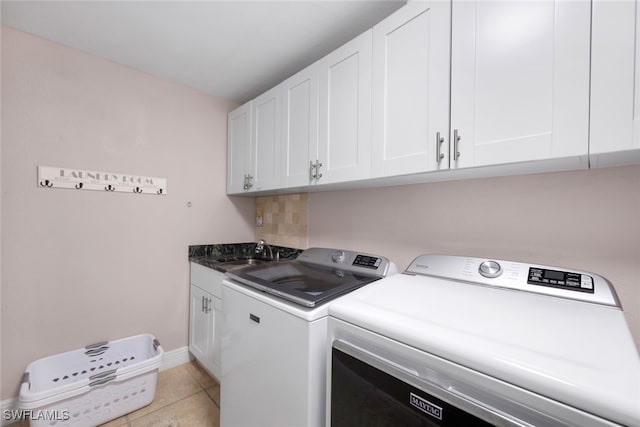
(410, 99)
(344, 146)
(265, 142)
(300, 125)
(519, 81)
(615, 83)
(238, 149)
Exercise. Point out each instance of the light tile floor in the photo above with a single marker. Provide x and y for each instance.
(186, 396)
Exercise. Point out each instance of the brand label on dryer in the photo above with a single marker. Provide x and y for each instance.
(425, 406)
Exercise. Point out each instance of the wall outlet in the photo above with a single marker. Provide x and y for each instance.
(259, 218)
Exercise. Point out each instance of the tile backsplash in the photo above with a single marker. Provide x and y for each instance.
(284, 220)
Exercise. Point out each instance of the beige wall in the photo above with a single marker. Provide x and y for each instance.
(586, 220)
(84, 266)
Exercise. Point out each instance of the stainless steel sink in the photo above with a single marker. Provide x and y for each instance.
(235, 264)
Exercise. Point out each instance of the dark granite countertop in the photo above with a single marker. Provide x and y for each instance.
(211, 255)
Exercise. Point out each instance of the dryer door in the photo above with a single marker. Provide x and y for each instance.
(362, 395)
(371, 386)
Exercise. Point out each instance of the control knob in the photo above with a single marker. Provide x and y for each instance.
(338, 256)
(490, 269)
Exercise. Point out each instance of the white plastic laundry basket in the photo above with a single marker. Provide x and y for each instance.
(92, 385)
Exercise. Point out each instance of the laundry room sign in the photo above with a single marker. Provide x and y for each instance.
(79, 179)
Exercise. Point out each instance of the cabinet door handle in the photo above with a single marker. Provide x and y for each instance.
(439, 141)
(249, 184)
(456, 139)
(318, 166)
(245, 185)
(209, 305)
(202, 307)
(254, 318)
(312, 175)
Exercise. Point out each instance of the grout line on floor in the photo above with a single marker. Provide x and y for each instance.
(195, 363)
(193, 377)
(200, 389)
(211, 398)
(167, 405)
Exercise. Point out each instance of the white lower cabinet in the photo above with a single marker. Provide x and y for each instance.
(615, 83)
(205, 318)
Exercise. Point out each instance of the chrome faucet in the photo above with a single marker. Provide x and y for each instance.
(260, 246)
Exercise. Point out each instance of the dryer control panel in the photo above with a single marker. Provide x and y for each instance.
(539, 279)
(560, 279)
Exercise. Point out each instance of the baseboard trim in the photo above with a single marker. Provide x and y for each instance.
(172, 358)
(176, 357)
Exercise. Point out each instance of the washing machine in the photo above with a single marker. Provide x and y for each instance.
(464, 341)
(275, 331)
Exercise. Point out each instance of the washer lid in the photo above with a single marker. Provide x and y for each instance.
(302, 283)
(575, 352)
(318, 275)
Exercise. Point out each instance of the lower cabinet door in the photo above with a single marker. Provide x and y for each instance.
(215, 326)
(199, 325)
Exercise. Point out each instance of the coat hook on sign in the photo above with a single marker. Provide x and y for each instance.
(109, 188)
(46, 183)
(79, 186)
(137, 190)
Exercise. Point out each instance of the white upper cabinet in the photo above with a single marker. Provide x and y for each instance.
(410, 98)
(344, 145)
(519, 81)
(239, 149)
(473, 87)
(300, 126)
(265, 140)
(615, 83)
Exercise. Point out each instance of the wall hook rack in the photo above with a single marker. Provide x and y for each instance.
(81, 179)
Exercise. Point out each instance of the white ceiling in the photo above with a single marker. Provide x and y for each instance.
(231, 49)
